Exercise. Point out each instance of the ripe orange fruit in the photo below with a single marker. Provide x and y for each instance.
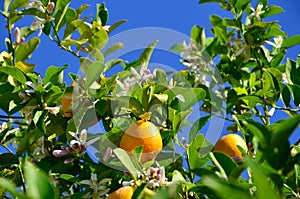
(228, 145)
(142, 133)
(122, 193)
(68, 109)
(67, 105)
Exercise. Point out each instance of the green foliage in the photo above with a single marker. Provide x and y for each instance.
(45, 139)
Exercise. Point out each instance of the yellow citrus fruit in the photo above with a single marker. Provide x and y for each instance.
(142, 133)
(122, 193)
(228, 145)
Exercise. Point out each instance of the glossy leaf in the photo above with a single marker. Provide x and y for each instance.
(54, 74)
(11, 188)
(115, 47)
(16, 73)
(39, 185)
(115, 25)
(259, 177)
(125, 159)
(198, 35)
(93, 73)
(18, 4)
(146, 55)
(291, 41)
(24, 51)
(198, 151)
(197, 126)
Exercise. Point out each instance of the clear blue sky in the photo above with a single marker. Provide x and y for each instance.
(175, 15)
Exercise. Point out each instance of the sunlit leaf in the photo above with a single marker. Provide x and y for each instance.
(146, 55)
(291, 41)
(24, 50)
(126, 161)
(18, 4)
(11, 187)
(115, 47)
(197, 126)
(94, 72)
(54, 74)
(16, 73)
(115, 25)
(198, 151)
(39, 185)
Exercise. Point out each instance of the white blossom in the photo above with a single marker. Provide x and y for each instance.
(257, 12)
(99, 188)
(277, 42)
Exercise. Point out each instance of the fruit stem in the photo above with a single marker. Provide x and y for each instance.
(145, 116)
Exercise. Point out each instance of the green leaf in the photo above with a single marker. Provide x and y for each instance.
(146, 55)
(177, 48)
(47, 28)
(178, 178)
(39, 185)
(18, 4)
(11, 188)
(8, 159)
(232, 23)
(292, 72)
(198, 151)
(72, 26)
(93, 73)
(6, 5)
(24, 50)
(16, 73)
(216, 20)
(291, 41)
(111, 63)
(126, 161)
(34, 12)
(272, 10)
(113, 48)
(261, 181)
(285, 95)
(227, 163)
(102, 14)
(182, 98)
(197, 126)
(85, 64)
(198, 35)
(282, 129)
(295, 93)
(115, 25)
(62, 7)
(241, 5)
(54, 74)
(139, 192)
(223, 190)
(220, 34)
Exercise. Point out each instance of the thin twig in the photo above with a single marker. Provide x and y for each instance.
(11, 117)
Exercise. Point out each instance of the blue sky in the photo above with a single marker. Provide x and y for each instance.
(174, 15)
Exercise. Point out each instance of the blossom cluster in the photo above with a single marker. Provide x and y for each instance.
(139, 78)
(77, 146)
(154, 176)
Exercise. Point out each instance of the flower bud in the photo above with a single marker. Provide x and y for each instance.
(59, 153)
(17, 34)
(50, 8)
(107, 154)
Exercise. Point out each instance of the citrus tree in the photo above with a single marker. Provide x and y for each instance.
(46, 131)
